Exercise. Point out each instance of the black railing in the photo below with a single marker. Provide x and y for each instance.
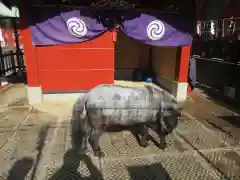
(11, 63)
(217, 77)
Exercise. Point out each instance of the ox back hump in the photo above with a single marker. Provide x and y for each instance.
(115, 104)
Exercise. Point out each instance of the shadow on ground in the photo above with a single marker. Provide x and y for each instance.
(229, 117)
(20, 169)
(69, 169)
(233, 120)
(27, 166)
(153, 171)
(218, 98)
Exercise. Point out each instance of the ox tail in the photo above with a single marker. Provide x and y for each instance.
(79, 125)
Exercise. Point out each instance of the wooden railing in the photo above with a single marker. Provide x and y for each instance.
(11, 62)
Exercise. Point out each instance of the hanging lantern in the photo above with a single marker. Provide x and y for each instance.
(199, 28)
(213, 27)
(231, 27)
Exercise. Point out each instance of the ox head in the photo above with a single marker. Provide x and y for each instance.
(169, 113)
(169, 110)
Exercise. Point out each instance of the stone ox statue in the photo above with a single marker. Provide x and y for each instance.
(107, 105)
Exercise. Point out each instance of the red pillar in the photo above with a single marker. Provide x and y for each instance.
(31, 61)
(184, 64)
(185, 57)
(182, 70)
(29, 52)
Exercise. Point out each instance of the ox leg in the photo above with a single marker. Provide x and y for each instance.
(84, 142)
(94, 138)
(162, 141)
(143, 130)
(85, 134)
(79, 141)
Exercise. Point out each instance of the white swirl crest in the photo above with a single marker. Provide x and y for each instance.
(76, 27)
(155, 30)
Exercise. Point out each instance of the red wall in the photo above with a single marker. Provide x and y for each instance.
(71, 67)
(75, 67)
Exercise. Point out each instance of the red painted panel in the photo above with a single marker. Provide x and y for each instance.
(75, 80)
(184, 64)
(79, 66)
(69, 59)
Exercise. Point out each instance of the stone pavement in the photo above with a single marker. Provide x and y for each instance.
(35, 143)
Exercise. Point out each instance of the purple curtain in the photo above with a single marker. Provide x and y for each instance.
(67, 27)
(158, 30)
(63, 27)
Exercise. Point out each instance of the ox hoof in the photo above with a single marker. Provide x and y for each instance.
(163, 146)
(144, 144)
(99, 154)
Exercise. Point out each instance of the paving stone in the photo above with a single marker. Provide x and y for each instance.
(36, 145)
(10, 118)
(17, 157)
(226, 162)
(198, 136)
(13, 95)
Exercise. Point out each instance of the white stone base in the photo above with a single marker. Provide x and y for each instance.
(62, 96)
(178, 90)
(34, 95)
(182, 91)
